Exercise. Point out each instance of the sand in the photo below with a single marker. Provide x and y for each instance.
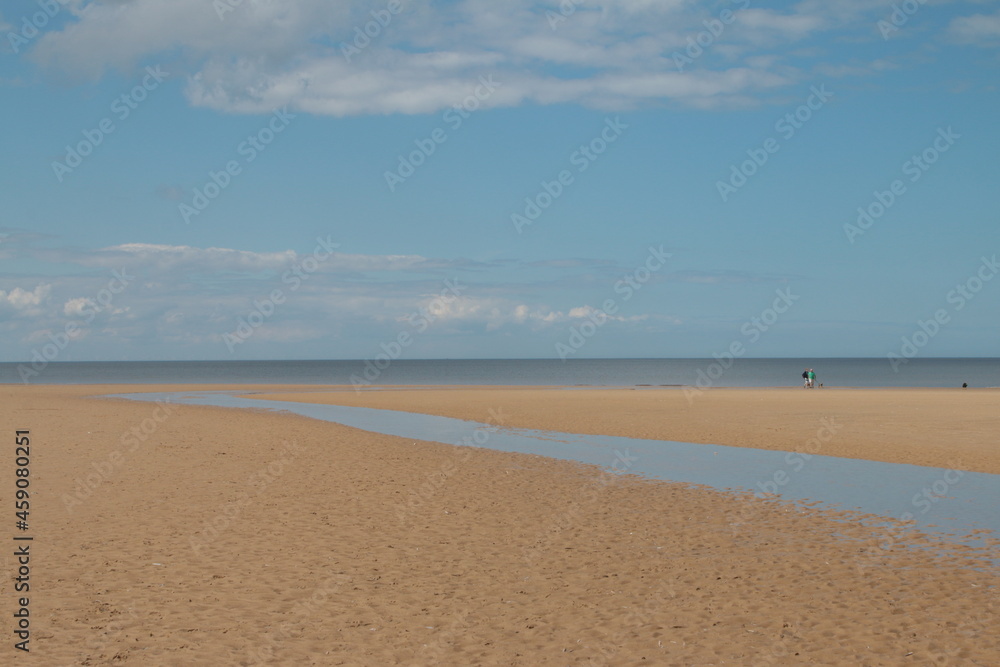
(941, 428)
(210, 536)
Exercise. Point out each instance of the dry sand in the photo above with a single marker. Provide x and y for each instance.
(224, 537)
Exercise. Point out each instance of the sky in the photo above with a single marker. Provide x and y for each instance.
(303, 179)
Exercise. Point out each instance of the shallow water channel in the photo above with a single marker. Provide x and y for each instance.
(951, 503)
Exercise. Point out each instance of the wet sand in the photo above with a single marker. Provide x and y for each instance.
(185, 535)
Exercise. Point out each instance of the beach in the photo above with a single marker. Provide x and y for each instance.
(186, 535)
(943, 428)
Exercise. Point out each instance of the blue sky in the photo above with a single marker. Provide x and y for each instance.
(484, 179)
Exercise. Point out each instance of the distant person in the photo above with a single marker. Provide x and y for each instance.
(810, 378)
(965, 385)
(805, 379)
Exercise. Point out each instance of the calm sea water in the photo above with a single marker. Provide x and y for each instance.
(574, 372)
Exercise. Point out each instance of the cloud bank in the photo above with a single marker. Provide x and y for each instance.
(136, 297)
(351, 58)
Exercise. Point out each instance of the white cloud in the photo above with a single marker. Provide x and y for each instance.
(155, 258)
(117, 35)
(490, 313)
(326, 86)
(615, 54)
(221, 259)
(25, 302)
(78, 307)
(767, 23)
(493, 313)
(977, 30)
(189, 298)
(588, 312)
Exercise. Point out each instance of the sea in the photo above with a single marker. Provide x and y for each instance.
(582, 373)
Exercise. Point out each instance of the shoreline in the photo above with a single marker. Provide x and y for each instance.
(945, 428)
(391, 387)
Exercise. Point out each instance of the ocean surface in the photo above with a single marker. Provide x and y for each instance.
(872, 372)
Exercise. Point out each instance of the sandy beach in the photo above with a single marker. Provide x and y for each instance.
(184, 535)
